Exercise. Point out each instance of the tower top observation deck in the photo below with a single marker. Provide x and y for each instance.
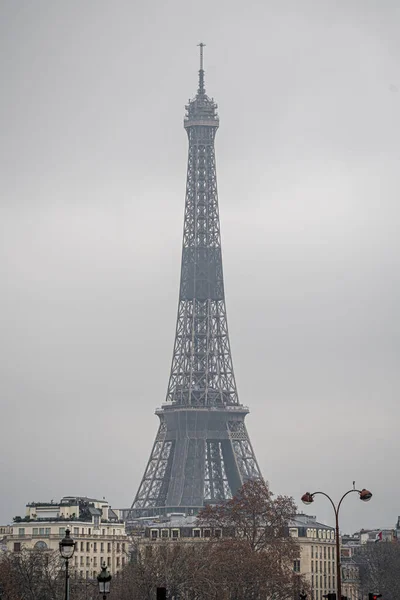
(202, 110)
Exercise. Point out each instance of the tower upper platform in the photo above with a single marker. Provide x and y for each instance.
(202, 110)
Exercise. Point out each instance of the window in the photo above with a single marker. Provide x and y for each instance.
(175, 534)
(108, 562)
(196, 533)
(329, 551)
(75, 561)
(76, 530)
(164, 533)
(41, 546)
(81, 574)
(103, 532)
(94, 546)
(17, 546)
(312, 566)
(83, 531)
(312, 580)
(41, 530)
(296, 566)
(218, 533)
(81, 546)
(123, 561)
(87, 574)
(324, 551)
(312, 551)
(293, 532)
(206, 533)
(118, 547)
(81, 563)
(87, 546)
(118, 561)
(154, 534)
(324, 566)
(47, 530)
(113, 531)
(109, 547)
(61, 531)
(87, 561)
(35, 531)
(101, 546)
(329, 567)
(123, 546)
(90, 531)
(21, 531)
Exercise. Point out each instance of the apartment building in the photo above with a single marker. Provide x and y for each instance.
(96, 528)
(317, 559)
(317, 545)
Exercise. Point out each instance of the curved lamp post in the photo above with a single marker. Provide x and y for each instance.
(104, 579)
(67, 549)
(308, 498)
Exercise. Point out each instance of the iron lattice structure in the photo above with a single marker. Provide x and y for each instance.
(202, 452)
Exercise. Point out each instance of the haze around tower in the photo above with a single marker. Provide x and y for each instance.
(92, 195)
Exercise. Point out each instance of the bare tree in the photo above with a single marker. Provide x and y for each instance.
(31, 575)
(259, 560)
(379, 569)
(254, 561)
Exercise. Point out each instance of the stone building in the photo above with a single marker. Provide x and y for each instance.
(317, 545)
(317, 559)
(97, 529)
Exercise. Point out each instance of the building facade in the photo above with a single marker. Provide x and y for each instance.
(317, 557)
(317, 545)
(351, 547)
(96, 528)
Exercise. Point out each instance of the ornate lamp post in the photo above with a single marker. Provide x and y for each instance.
(104, 579)
(67, 549)
(308, 498)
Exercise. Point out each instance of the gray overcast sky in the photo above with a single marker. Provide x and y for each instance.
(93, 166)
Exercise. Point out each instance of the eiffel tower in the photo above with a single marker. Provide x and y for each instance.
(202, 452)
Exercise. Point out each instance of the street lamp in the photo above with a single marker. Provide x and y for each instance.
(308, 498)
(104, 579)
(67, 549)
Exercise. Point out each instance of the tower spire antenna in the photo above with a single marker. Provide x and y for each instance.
(201, 89)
